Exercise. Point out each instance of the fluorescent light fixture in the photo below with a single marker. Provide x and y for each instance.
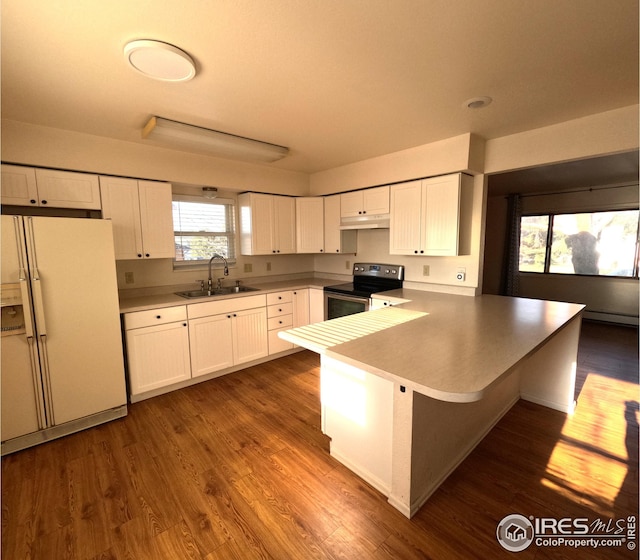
(196, 139)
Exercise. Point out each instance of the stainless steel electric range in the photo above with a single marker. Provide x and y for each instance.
(355, 297)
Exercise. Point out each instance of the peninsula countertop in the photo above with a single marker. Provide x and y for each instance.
(452, 348)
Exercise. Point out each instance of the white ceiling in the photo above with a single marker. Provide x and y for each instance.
(336, 81)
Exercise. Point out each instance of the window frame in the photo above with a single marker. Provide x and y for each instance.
(230, 204)
(549, 243)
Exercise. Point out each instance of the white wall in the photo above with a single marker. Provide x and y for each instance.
(605, 133)
(464, 153)
(29, 144)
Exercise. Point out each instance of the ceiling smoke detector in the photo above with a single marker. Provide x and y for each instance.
(477, 102)
(160, 61)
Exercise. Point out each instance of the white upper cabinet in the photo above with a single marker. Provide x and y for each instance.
(141, 215)
(267, 224)
(366, 201)
(426, 216)
(26, 186)
(310, 225)
(335, 239)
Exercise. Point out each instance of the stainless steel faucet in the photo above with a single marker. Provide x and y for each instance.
(210, 280)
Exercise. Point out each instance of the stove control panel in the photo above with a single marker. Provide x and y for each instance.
(376, 270)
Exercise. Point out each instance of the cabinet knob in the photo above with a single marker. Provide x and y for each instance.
(158, 316)
(228, 316)
(32, 201)
(280, 322)
(274, 251)
(147, 255)
(234, 315)
(421, 252)
(416, 252)
(184, 324)
(139, 255)
(364, 211)
(321, 250)
(279, 310)
(44, 201)
(337, 250)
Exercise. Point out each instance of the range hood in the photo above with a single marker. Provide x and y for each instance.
(365, 221)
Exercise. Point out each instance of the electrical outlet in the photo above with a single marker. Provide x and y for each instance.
(268, 266)
(461, 275)
(425, 270)
(128, 278)
(248, 267)
(347, 265)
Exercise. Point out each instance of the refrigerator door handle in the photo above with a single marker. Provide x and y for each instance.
(38, 303)
(36, 282)
(24, 292)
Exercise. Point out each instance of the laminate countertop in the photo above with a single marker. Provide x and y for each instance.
(453, 348)
(157, 301)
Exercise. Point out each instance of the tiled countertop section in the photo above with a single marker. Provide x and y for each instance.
(460, 348)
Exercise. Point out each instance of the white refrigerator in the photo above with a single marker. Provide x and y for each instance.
(61, 345)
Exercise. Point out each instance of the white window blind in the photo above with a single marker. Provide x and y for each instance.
(203, 228)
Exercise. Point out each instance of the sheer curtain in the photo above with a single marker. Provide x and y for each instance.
(510, 278)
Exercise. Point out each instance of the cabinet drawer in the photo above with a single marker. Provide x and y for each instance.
(139, 319)
(279, 297)
(277, 310)
(282, 322)
(225, 306)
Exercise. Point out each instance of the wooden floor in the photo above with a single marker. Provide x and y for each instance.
(236, 468)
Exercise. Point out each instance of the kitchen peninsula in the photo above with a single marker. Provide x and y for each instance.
(408, 391)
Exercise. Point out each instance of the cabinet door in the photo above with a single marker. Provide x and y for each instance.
(284, 223)
(19, 185)
(441, 219)
(261, 225)
(211, 344)
(158, 356)
(120, 204)
(351, 204)
(156, 220)
(310, 225)
(316, 305)
(335, 239)
(405, 219)
(64, 189)
(249, 335)
(375, 201)
(301, 307)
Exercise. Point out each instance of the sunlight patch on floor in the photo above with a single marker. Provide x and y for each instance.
(589, 464)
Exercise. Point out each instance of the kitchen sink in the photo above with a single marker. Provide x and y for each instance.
(217, 292)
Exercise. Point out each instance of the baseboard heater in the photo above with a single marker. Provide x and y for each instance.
(612, 317)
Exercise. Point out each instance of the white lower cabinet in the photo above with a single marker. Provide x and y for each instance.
(157, 348)
(286, 310)
(211, 344)
(169, 345)
(227, 333)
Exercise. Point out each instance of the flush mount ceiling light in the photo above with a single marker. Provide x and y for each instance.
(209, 192)
(477, 102)
(196, 139)
(160, 61)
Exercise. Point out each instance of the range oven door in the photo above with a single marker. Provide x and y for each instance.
(339, 305)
